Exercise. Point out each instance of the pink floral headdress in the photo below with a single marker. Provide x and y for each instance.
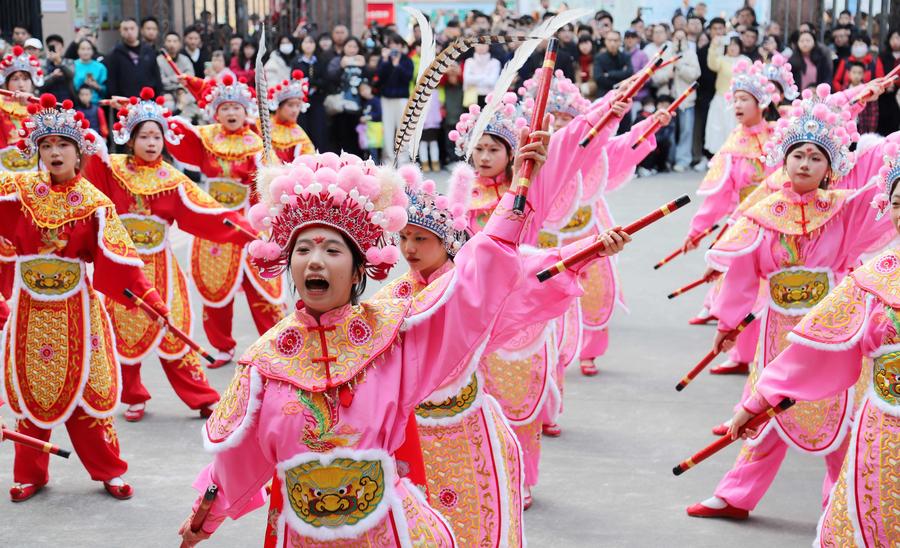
(819, 118)
(444, 216)
(564, 96)
(779, 72)
(505, 123)
(752, 79)
(887, 174)
(363, 201)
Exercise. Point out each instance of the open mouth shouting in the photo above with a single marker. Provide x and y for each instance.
(316, 284)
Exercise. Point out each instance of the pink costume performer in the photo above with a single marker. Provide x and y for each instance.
(326, 402)
(853, 330)
(581, 210)
(735, 171)
(519, 373)
(802, 245)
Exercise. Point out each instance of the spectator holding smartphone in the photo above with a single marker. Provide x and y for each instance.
(58, 72)
(395, 72)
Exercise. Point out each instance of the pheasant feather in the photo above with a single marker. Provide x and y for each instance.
(540, 33)
(262, 95)
(427, 50)
(429, 80)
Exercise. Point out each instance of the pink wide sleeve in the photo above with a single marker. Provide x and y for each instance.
(804, 373)
(717, 205)
(739, 290)
(868, 162)
(531, 301)
(863, 232)
(623, 159)
(439, 342)
(241, 473)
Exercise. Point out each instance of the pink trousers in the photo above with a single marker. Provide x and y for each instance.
(756, 467)
(594, 343)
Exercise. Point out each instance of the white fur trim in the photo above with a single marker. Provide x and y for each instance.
(102, 152)
(545, 390)
(493, 412)
(101, 219)
(476, 405)
(867, 141)
(411, 321)
(81, 285)
(579, 338)
(239, 279)
(417, 494)
(175, 275)
(714, 253)
(574, 203)
(543, 339)
(463, 378)
(118, 371)
(253, 403)
(838, 439)
(721, 181)
(883, 406)
(799, 311)
(194, 207)
(837, 347)
(85, 360)
(388, 500)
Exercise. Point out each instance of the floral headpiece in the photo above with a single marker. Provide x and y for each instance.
(48, 118)
(295, 88)
(444, 216)
(887, 174)
(753, 80)
(779, 72)
(226, 90)
(504, 124)
(145, 109)
(19, 61)
(564, 96)
(819, 118)
(361, 200)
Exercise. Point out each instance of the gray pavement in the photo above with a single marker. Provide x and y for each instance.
(606, 482)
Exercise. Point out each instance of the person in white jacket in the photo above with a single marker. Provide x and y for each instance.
(480, 74)
(278, 67)
(674, 80)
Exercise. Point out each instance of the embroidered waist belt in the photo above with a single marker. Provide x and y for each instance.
(230, 193)
(12, 160)
(746, 191)
(147, 232)
(886, 378)
(50, 277)
(796, 290)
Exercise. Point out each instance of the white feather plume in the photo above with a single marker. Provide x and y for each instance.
(540, 33)
(427, 51)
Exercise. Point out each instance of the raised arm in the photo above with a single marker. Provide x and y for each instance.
(190, 151)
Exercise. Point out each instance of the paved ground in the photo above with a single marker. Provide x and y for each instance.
(606, 482)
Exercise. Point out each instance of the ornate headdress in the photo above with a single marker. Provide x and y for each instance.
(19, 61)
(47, 118)
(753, 80)
(145, 109)
(361, 200)
(887, 174)
(564, 96)
(819, 118)
(505, 123)
(444, 216)
(226, 90)
(779, 72)
(295, 88)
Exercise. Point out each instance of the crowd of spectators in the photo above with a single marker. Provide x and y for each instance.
(360, 84)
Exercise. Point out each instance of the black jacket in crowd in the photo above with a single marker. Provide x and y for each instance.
(131, 69)
(609, 70)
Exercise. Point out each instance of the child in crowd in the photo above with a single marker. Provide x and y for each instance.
(370, 129)
(867, 122)
(657, 161)
(93, 113)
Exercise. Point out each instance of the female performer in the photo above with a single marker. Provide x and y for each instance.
(227, 153)
(287, 100)
(150, 196)
(60, 364)
(802, 240)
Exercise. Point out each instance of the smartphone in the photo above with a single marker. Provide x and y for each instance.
(52, 48)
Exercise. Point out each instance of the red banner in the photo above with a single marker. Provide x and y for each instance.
(380, 12)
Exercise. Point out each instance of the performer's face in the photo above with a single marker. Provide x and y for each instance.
(322, 269)
(288, 111)
(746, 109)
(807, 166)
(148, 142)
(232, 116)
(20, 81)
(60, 156)
(561, 120)
(422, 249)
(490, 156)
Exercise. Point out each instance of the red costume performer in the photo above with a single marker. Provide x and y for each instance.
(151, 196)
(59, 361)
(228, 159)
(287, 100)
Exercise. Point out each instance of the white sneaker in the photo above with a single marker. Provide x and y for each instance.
(679, 168)
(702, 166)
(643, 172)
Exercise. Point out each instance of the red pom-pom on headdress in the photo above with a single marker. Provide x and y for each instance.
(147, 93)
(48, 100)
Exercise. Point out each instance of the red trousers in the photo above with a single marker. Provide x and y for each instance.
(185, 375)
(217, 321)
(94, 440)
